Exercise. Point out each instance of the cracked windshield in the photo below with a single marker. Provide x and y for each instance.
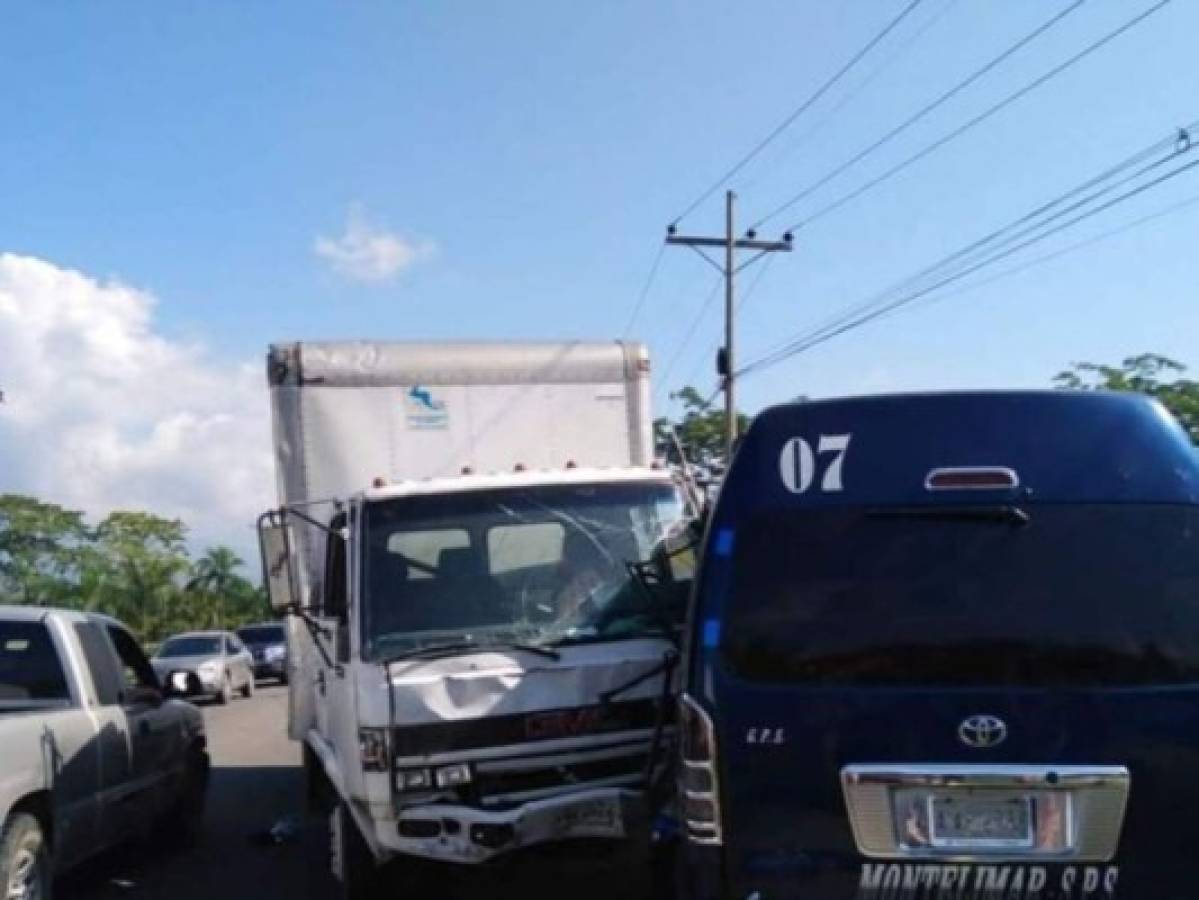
(537, 566)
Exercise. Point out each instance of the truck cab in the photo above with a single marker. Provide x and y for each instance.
(483, 652)
(947, 645)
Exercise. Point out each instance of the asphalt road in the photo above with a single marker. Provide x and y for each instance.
(256, 782)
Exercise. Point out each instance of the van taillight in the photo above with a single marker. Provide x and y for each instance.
(974, 478)
(698, 786)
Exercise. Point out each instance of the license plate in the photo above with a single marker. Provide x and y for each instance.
(599, 817)
(980, 823)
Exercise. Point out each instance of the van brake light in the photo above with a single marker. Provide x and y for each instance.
(698, 786)
(975, 478)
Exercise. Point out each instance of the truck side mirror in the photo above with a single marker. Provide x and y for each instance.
(277, 543)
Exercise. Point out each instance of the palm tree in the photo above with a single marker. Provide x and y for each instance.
(214, 575)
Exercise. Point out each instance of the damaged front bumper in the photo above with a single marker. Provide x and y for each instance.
(465, 834)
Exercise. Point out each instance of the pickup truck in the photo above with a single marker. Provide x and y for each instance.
(95, 750)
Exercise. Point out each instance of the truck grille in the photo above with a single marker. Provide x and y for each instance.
(510, 781)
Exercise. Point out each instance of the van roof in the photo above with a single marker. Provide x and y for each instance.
(1061, 446)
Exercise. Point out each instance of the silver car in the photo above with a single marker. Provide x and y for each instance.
(218, 658)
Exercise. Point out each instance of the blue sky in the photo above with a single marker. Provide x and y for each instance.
(536, 150)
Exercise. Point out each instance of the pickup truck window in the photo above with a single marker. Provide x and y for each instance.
(29, 665)
(107, 678)
(138, 672)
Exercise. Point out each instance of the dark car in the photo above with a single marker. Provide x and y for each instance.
(267, 643)
(948, 645)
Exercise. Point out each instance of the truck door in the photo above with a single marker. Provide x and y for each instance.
(113, 762)
(148, 722)
(330, 688)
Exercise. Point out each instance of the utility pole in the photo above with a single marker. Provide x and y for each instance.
(725, 367)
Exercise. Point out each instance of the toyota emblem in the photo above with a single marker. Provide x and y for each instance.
(981, 732)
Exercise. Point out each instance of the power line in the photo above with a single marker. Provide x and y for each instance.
(1172, 145)
(798, 111)
(645, 288)
(807, 342)
(852, 94)
(1193, 200)
(921, 113)
(982, 117)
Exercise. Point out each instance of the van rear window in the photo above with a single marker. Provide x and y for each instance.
(1069, 595)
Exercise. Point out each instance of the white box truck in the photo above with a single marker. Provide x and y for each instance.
(476, 550)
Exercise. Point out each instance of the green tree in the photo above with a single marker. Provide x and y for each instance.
(701, 430)
(1147, 373)
(214, 580)
(42, 551)
(144, 560)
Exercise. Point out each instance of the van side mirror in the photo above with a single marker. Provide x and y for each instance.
(277, 543)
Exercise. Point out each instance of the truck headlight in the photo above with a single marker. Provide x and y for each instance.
(453, 776)
(414, 780)
(372, 744)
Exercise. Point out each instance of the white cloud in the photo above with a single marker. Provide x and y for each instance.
(365, 251)
(102, 412)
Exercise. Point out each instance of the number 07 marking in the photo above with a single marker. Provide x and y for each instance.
(797, 463)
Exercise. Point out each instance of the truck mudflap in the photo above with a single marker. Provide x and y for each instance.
(464, 834)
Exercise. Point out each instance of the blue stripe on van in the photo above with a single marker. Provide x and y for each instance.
(724, 542)
(712, 633)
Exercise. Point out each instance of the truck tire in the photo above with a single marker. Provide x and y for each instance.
(24, 860)
(183, 823)
(226, 692)
(358, 878)
(247, 690)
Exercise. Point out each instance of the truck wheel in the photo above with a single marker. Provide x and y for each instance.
(226, 693)
(183, 822)
(248, 690)
(24, 860)
(353, 865)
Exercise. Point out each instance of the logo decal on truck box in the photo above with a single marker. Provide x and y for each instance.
(423, 410)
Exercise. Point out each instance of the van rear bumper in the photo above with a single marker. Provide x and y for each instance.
(465, 834)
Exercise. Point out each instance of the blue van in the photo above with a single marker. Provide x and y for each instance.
(947, 646)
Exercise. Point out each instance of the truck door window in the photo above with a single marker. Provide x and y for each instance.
(335, 570)
(138, 674)
(107, 678)
(29, 665)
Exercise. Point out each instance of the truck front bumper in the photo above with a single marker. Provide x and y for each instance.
(465, 834)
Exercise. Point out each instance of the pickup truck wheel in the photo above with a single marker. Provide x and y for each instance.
(354, 863)
(24, 862)
(247, 690)
(226, 693)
